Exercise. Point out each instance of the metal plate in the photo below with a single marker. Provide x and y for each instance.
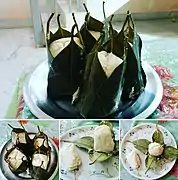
(7, 174)
(35, 96)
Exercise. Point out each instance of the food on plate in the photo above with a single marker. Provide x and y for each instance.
(72, 158)
(109, 84)
(40, 162)
(98, 69)
(100, 147)
(17, 160)
(103, 140)
(157, 152)
(134, 159)
(155, 149)
(30, 153)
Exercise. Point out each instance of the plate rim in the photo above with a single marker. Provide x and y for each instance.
(79, 127)
(55, 147)
(122, 142)
(36, 111)
(156, 101)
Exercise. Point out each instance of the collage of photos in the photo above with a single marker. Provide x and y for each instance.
(76, 149)
(89, 90)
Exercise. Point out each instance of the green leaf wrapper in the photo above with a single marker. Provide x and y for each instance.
(45, 145)
(90, 24)
(170, 153)
(98, 156)
(141, 145)
(150, 162)
(23, 166)
(27, 147)
(86, 142)
(65, 69)
(39, 173)
(100, 96)
(158, 136)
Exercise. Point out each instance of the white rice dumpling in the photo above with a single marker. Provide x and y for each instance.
(134, 160)
(16, 158)
(40, 160)
(19, 138)
(109, 62)
(71, 158)
(95, 34)
(58, 45)
(103, 141)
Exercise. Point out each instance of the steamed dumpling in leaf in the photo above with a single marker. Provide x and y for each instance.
(21, 139)
(139, 77)
(100, 86)
(65, 62)
(51, 37)
(109, 62)
(135, 78)
(104, 91)
(17, 160)
(58, 45)
(40, 164)
(40, 160)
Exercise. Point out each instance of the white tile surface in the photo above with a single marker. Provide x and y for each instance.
(17, 55)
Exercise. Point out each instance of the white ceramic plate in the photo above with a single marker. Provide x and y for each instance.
(35, 95)
(108, 170)
(145, 131)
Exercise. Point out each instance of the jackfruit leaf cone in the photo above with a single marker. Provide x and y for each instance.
(138, 78)
(100, 93)
(21, 163)
(65, 68)
(90, 31)
(40, 171)
(135, 78)
(51, 37)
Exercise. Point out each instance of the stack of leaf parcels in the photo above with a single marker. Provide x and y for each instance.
(104, 72)
(32, 155)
